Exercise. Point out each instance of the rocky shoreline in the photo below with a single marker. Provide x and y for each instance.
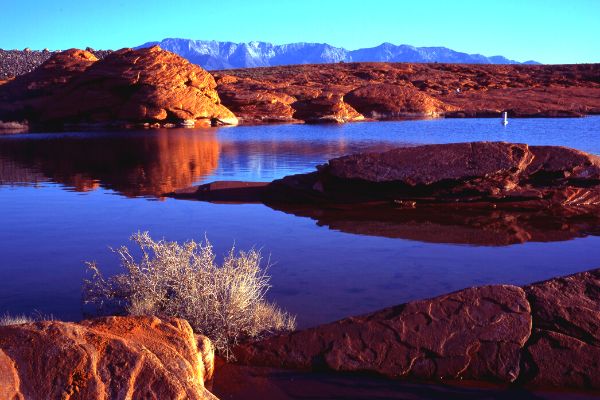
(543, 335)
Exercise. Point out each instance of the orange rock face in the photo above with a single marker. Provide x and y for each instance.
(385, 101)
(400, 90)
(147, 85)
(105, 358)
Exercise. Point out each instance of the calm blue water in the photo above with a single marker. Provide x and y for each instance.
(65, 198)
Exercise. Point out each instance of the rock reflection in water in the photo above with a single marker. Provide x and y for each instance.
(144, 164)
(460, 225)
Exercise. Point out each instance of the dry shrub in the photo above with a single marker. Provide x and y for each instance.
(224, 302)
(8, 319)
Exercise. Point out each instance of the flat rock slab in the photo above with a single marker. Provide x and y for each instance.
(542, 335)
(565, 347)
(105, 358)
(476, 333)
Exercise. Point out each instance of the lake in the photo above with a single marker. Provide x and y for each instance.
(65, 198)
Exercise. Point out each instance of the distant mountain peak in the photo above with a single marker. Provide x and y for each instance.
(214, 55)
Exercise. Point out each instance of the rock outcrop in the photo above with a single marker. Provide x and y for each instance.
(409, 90)
(496, 173)
(544, 335)
(105, 358)
(564, 349)
(485, 193)
(385, 101)
(476, 334)
(127, 86)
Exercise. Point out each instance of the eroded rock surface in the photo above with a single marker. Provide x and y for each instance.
(475, 333)
(499, 173)
(542, 335)
(131, 86)
(401, 90)
(565, 346)
(105, 358)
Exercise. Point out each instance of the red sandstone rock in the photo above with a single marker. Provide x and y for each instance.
(105, 358)
(565, 347)
(324, 109)
(475, 333)
(499, 173)
(544, 335)
(385, 101)
(399, 90)
(146, 85)
(429, 164)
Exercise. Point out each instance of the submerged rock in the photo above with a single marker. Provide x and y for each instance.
(128, 86)
(105, 358)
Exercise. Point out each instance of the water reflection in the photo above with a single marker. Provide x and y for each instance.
(142, 164)
(457, 226)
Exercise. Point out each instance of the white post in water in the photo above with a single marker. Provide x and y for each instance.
(505, 118)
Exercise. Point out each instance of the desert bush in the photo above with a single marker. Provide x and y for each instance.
(225, 302)
(8, 319)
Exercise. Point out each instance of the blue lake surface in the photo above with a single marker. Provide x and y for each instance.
(65, 198)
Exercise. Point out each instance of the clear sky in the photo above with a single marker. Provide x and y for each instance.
(549, 31)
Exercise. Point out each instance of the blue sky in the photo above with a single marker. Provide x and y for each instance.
(549, 31)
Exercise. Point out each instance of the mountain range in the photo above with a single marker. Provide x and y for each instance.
(215, 55)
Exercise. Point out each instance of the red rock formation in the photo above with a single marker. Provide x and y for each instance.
(565, 346)
(146, 85)
(549, 328)
(105, 358)
(385, 101)
(498, 173)
(328, 108)
(400, 90)
(475, 333)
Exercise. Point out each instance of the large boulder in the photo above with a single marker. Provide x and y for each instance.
(542, 335)
(105, 358)
(565, 346)
(133, 86)
(498, 173)
(476, 333)
(327, 108)
(387, 101)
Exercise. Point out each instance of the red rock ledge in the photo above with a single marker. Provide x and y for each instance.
(543, 335)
